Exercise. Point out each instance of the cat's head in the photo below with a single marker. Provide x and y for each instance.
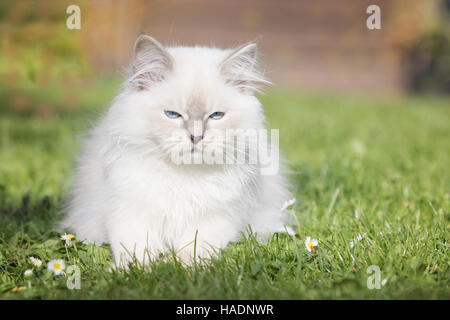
(182, 98)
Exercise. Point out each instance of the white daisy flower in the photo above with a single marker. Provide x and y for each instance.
(67, 237)
(310, 244)
(36, 262)
(57, 266)
(28, 273)
(288, 204)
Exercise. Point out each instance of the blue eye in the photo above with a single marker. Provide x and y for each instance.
(217, 115)
(172, 114)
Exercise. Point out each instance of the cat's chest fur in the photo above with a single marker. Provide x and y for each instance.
(173, 191)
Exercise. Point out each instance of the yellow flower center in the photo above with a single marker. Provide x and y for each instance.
(56, 266)
(70, 236)
(310, 245)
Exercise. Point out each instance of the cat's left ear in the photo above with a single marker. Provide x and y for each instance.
(240, 69)
(151, 63)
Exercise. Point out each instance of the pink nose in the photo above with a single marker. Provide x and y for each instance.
(196, 139)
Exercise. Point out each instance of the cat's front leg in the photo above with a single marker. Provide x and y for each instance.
(204, 237)
(132, 237)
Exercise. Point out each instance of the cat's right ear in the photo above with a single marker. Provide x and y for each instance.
(150, 64)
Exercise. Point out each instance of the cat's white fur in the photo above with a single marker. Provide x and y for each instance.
(128, 193)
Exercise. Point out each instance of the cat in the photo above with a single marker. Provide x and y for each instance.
(127, 191)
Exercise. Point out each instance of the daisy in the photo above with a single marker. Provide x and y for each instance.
(36, 262)
(310, 244)
(288, 204)
(28, 273)
(67, 237)
(57, 266)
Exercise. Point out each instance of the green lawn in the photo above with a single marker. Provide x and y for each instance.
(378, 166)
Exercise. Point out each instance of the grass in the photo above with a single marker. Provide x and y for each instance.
(358, 165)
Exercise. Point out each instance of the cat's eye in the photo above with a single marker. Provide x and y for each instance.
(172, 114)
(217, 115)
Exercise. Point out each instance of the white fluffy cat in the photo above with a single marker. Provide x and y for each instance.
(128, 193)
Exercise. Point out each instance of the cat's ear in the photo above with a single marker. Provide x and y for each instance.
(150, 64)
(240, 69)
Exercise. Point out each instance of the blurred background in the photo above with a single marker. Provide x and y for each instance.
(364, 128)
(320, 46)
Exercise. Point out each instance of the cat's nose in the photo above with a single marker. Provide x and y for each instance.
(196, 139)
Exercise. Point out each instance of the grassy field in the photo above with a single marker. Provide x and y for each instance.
(359, 165)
